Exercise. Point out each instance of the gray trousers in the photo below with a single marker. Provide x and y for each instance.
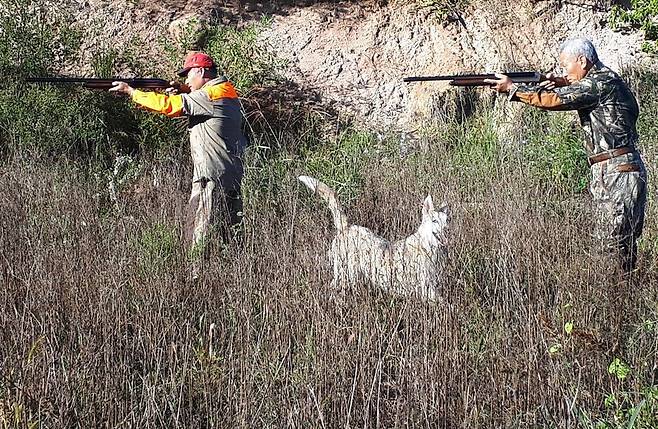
(211, 210)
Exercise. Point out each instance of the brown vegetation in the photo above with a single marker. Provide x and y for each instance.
(100, 326)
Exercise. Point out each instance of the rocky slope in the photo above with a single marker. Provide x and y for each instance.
(355, 53)
(358, 57)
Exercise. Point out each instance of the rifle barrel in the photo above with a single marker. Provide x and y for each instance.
(97, 83)
(476, 79)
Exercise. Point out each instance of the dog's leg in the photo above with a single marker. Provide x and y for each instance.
(337, 292)
(337, 286)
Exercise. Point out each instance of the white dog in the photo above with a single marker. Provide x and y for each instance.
(409, 266)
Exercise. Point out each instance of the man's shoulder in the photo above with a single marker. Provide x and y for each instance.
(598, 81)
(605, 76)
(611, 85)
(586, 85)
(216, 81)
(218, 89)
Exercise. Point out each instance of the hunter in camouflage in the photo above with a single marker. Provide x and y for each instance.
(608, 113)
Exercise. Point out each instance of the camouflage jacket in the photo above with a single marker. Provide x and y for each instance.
(607, 108)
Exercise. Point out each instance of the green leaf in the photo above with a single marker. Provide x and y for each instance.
(636, 412)
(568, 327)
(555, 348)
(610, 400)
(619, 368)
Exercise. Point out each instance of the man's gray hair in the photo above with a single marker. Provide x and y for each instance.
(580, 46)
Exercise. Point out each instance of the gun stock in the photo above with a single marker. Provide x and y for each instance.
(104, 84)
(478, 79)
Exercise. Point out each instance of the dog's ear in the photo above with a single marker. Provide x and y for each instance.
(428, 207)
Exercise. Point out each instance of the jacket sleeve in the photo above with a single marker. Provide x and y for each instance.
(170, 105)
(579, 95)
(197, 103)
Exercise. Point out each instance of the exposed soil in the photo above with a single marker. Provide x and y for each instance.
(354, 54)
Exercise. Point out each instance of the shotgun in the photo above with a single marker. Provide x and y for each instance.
(105, 84)
(478, 79)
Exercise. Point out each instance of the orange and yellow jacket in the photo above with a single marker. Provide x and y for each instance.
(214, 122)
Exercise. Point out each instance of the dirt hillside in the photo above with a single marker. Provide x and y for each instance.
(355, 53)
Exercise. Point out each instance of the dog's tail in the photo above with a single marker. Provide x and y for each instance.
(329, 195)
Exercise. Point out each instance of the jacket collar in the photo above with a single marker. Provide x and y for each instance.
(596, 67)
(215, 81)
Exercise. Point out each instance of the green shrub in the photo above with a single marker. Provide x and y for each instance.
(637, 410)
(554, 150)
(478, 151)
(340, 162)
(37, 37)
(157, 247)
(52, 121)
(237, 52)
(239, 55)
(641, 14)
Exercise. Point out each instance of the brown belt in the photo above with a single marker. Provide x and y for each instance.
(604, 156)
(627, 168)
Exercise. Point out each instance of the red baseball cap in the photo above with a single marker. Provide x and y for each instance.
(196, 59)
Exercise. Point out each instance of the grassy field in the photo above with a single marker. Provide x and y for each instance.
(100, 325)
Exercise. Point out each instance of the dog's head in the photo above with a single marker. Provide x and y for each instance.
(434, 222)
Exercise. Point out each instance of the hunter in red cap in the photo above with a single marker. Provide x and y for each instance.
(217, 143)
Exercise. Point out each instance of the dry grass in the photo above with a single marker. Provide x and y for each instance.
(100, 327)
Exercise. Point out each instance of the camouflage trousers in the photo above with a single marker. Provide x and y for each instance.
(619, 191)
(211, 210)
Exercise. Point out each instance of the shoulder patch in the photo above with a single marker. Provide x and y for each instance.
(222, 90)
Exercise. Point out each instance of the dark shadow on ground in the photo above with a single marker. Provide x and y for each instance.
(287, 110)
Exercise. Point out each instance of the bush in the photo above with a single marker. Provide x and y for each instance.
(55, 122)
(246, 62)
(554, 151)
(641, 14)
(37, 37)
(157, 247)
